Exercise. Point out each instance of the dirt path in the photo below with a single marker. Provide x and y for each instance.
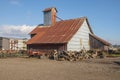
(36, 69)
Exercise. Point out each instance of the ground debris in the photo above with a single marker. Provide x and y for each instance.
(67, 55)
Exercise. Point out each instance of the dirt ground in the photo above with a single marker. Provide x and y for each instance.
(36, 69)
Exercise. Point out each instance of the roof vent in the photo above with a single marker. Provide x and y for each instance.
(49, 16)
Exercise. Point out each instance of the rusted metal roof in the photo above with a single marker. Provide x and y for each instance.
(39, 29)
(101, 40)
(61, 32)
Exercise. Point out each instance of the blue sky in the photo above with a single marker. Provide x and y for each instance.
(103, 15)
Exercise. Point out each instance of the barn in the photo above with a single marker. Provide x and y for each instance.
(73, 34)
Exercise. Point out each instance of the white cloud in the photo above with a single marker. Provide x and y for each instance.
(15, 2)
(19, 31)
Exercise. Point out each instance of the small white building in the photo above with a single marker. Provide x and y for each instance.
(22, 44)
(18, 44)
(4, 43)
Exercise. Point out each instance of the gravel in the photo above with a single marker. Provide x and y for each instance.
(44, 69)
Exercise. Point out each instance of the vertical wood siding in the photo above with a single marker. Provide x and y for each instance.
(96, 44)
(59, 47)
(81, 39)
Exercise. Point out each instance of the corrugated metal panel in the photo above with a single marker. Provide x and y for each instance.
(50, 16)
(61, 32)
(39, 29)
(47, 18)
(81, 39)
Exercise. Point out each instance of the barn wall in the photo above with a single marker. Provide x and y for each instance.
(81, 39)
(96, 44)
(59, 47)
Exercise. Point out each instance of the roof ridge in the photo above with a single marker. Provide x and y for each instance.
(42, 26)
(74, 19)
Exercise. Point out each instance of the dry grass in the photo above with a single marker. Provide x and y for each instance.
(36, 69)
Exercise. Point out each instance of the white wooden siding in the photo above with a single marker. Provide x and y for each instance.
(81, 39)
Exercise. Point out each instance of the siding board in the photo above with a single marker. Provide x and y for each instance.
(75, 44)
